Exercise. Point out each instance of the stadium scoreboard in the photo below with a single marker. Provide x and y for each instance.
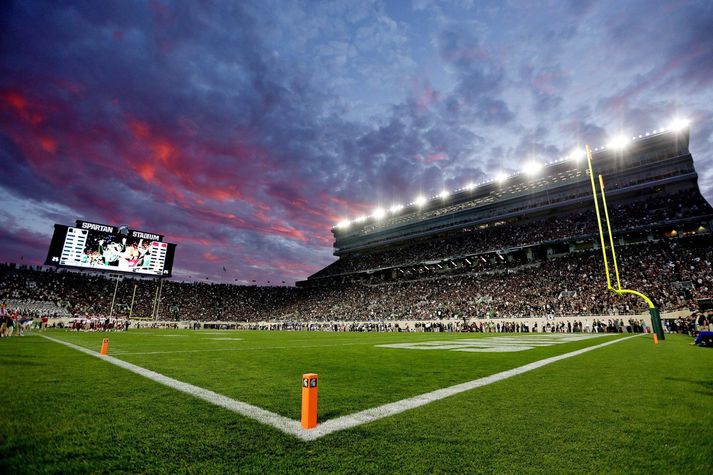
(109, 248)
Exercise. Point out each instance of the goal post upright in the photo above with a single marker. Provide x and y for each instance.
(611, 235)
(653, 311)
(599, 219)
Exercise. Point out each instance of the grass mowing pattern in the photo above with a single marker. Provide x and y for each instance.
(630, 407)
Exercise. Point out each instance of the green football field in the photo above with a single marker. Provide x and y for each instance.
(625, 407)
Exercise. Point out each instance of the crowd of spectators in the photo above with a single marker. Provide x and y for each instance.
(490, 326)
(616, 325)
(90, 295)
(37, 308)
(659, 209)
(673, 272)
(692, 324)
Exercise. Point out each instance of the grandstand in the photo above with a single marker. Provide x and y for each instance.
(523, 246)
(534, 216)
(37, 308)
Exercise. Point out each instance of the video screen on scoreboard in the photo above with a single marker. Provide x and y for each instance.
(103, 247)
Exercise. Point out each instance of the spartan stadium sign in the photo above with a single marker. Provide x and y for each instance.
(110, 248)
(96, 227)
(143, 235)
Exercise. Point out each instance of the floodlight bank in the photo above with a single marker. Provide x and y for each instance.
(617, 143)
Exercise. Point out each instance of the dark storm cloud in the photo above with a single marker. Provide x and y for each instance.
(16, 171)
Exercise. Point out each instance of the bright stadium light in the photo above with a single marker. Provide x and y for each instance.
(378, 213)
(360, 219)
(344, 224)
(679, 124)
(470, 186)
(577, 155)
(532, 168)
(443, 194)
(396, 208)
(618, 143)
(501, 177)
(420, 201)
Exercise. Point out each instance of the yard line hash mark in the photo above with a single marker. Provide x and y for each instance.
(292, 427)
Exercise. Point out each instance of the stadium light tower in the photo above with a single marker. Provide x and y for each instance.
(618, 143)
(679, 124)
(420, 201)
(344, 224)
(577, 155)
(379, 213)
(443, 194)
(396, 208)
(500, 177)
(470, 186)
(532, 168)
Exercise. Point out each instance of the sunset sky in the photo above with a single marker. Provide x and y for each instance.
(244, 130)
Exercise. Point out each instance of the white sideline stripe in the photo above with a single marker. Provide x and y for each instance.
(289, 426)
(277, 421)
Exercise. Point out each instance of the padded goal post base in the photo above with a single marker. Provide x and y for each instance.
(656, 324)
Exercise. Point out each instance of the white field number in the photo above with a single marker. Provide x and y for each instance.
(496, 344)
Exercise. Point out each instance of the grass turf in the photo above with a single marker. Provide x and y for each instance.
(629, 407)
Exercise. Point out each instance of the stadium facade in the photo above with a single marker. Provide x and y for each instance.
(652, 191)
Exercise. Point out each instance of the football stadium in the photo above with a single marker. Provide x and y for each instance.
(356, 237)
(532, 363)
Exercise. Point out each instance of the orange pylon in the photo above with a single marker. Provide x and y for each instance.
(105, 347)
(309, 401)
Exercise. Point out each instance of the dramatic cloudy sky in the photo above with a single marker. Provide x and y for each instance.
(243, 130)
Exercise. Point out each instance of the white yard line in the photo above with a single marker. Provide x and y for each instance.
(294, 428)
